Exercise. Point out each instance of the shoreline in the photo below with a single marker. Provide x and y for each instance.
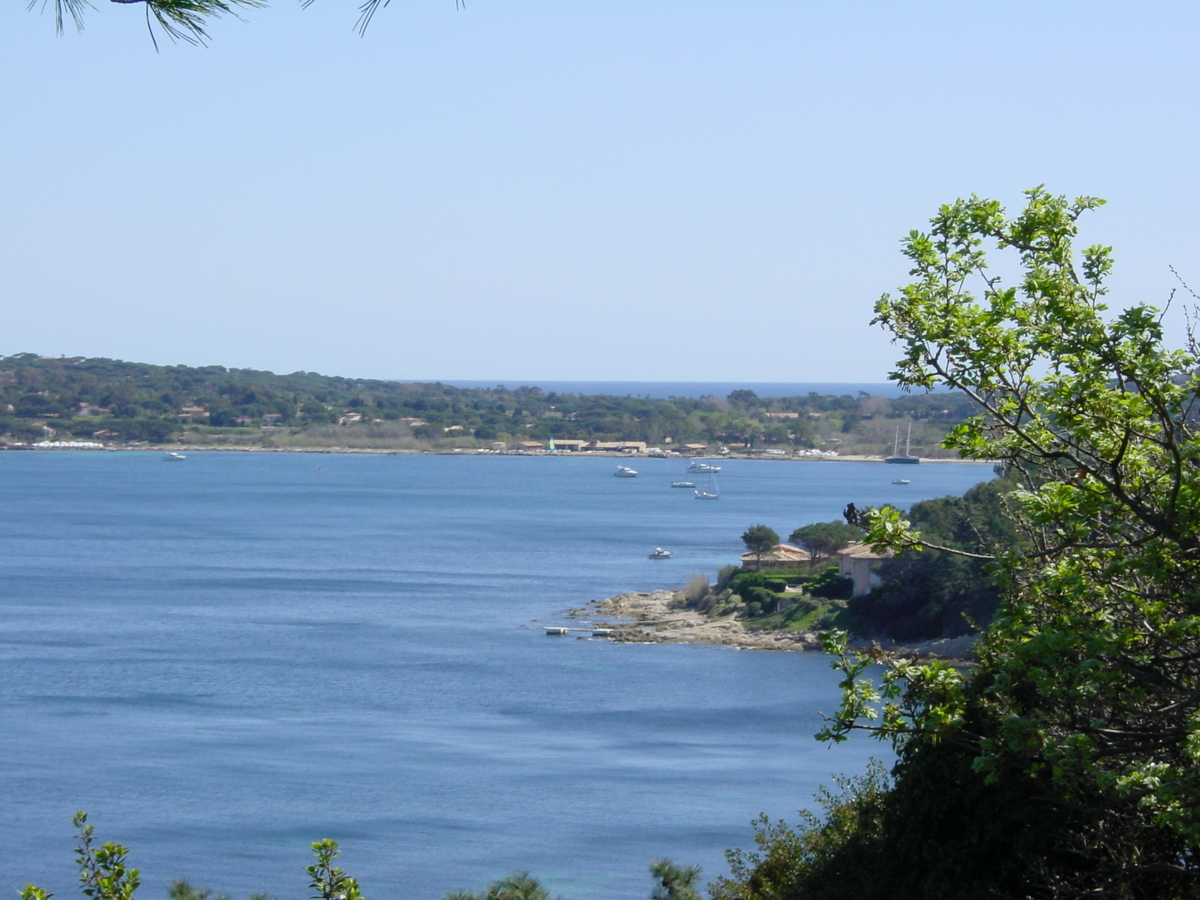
(651, 618)
(471, 451)
(648, 618)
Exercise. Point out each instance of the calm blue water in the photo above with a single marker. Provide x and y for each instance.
(228, 658)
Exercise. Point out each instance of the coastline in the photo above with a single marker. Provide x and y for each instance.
(462, 451)
(649, 618)
(652, 618)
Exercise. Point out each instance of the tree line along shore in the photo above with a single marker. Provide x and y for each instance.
(114, 403)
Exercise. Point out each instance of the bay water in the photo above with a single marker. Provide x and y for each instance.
(225, 658)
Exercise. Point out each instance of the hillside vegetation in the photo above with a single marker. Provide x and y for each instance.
(115, 401)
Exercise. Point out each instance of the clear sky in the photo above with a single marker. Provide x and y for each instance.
(673, 190)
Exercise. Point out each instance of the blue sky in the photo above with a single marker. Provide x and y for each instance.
(563, 190)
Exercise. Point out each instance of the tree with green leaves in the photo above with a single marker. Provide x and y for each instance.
(329, 882)
(759, 539)
(104, 873)
(1085, 703)
(184, 20)
(823, 539)
(514, 886)
(673, 881)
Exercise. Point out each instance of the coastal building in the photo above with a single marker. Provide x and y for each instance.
(860, 564)
(617, 446)
(781, 556)
(191, 413)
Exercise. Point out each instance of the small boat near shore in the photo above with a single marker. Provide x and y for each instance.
(701, 466)
(625, 472)
(660, 553)
(172, 456)
(556, 629)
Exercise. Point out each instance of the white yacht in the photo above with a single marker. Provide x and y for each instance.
(625, 472)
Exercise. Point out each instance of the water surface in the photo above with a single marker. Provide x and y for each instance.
(227, 658)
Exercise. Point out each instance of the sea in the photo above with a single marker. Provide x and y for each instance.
(225, 658)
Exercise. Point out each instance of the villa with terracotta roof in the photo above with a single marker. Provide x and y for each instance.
(860, 564)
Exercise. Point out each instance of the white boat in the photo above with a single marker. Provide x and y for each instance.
(172, 456)
(902, 481)
(699, 466)
(660, 553)
(706, 492)
(683, 484)
(556, 629)
(625, 472)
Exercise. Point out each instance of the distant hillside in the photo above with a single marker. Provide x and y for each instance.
(116, 401)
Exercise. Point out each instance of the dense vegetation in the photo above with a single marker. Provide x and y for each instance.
(1066, 764)
(112, 400)
(938, 593)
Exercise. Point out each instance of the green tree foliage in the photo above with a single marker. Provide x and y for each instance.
(674, 882)
(823, 539)
(759, 539)
(103, 871)
(328, 882)
(180, 889)
(939, 593)
(143, 402)
(179, 19)
(514, 886)
(1084, 706)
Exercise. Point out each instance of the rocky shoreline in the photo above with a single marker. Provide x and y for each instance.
(653, 618)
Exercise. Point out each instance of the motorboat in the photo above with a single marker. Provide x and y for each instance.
(172, 456)
(625, 472)
(660, 553)
(556, 629)
(902, 481)
(699, 466)
(683, 484)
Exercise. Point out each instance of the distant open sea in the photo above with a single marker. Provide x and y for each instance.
(663, 390)
(225, 658)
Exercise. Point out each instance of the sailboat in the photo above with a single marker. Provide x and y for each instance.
(906, 459)
(704, 492)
